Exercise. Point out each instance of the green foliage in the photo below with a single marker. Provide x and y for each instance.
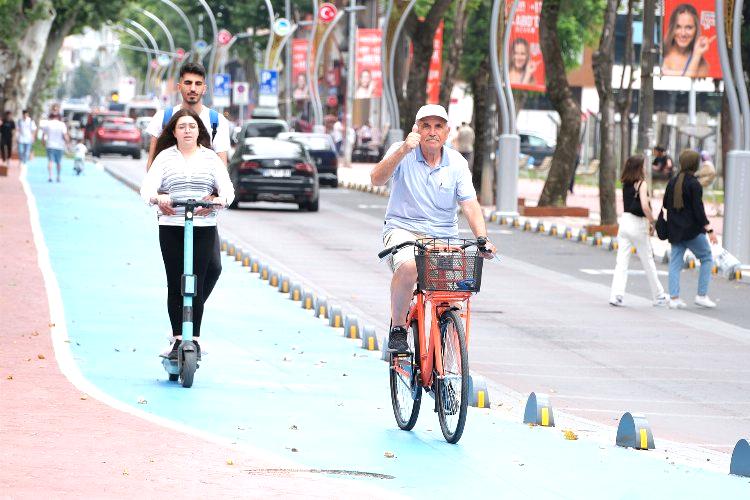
(15, 18)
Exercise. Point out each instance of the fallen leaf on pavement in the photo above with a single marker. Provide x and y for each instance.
(570, 435)
(40, 356)
(230, 461)
(84, 397)
(9, 377)
(125, 472)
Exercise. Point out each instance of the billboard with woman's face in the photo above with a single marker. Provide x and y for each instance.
(525, 61)
(369, 72)
(689, 47)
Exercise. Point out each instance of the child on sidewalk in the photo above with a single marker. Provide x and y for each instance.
(79, 157)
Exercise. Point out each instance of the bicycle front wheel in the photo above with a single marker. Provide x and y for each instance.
(406, 393)
(452, 391)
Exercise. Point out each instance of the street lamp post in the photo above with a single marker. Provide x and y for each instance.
(151, 39)
(395, 133)
(212, 57)
(146, 50)
(170, 39)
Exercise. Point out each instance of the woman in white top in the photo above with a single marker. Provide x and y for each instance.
(186, 167)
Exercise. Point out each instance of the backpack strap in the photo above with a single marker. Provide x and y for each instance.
(167, 116)
(213, 116)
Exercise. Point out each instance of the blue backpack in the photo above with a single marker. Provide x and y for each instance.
(213, 117)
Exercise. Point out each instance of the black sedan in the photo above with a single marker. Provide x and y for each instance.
(323, 151)
(264, 169)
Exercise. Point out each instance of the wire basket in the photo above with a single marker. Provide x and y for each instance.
(443, 266)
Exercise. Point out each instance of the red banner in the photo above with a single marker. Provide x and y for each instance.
(436, 66)
(689, 47)
(526, 64)
(301, 90)
(369, 72)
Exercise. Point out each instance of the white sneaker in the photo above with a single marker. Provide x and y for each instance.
(661, 301)
(616, 301)
(677, 304)
(704, 301)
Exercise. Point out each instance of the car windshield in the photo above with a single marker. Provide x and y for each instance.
(264, 130)
(273, 149)
(118, 125)
(314, 143)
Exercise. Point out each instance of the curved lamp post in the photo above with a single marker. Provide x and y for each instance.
(150, 37)
(212, 57)
(146, 50)
(170, 41)
(314, 89)
(395, 133)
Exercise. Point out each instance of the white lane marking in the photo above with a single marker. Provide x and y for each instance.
(59, 334)
(633, 368)
(654, 414)
(619, 379)
(650, 401)
(631, 272)
(370, 206)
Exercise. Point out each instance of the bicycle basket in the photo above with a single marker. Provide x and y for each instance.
(445, 267)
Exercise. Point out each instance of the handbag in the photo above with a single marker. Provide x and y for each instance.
(661, 225)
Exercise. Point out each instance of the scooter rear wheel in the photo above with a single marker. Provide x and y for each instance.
(174, 377)
(189, 365)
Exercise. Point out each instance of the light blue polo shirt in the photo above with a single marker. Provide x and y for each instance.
(425, 200)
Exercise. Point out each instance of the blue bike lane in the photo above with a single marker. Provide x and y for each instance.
(276, 379)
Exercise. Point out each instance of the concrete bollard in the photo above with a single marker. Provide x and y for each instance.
(231, 249)
(568, 233)
(516, 223)
(634, 432)
(295, 292)
(238, 254)
(307, 299)
(245, 260)
(351, 326)
(273, 278)
(740, 464)
(369, 339)
(689, 263)
(527, 225)
(384, 356)
(335, 318)
(539, 227)
(255, 265)
(224, 245)
(479, 396)
(539, 411)
(284, 284)
(321, 307)
(552, 230)
(265, 272)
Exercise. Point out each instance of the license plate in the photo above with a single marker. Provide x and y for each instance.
(119, 143)
(277, 172)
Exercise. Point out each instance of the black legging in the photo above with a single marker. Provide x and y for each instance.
(171, 240)
(6, 147)
(214, 266)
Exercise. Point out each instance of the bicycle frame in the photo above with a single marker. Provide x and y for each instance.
(430, 349)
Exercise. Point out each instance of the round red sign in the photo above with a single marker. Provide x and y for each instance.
(224, 37)
(326, 12)
(180, 53)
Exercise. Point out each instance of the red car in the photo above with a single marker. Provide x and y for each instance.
(117, 135)
(94, 120)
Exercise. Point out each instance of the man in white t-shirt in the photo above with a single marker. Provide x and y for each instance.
(192, 86)
(55, 139)
(26, 132)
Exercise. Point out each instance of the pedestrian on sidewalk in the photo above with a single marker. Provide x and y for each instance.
(186, 167)
(26, 133)
(707, 171)
(687, 226)
(7, 129)
(56, 140)
(636, 228)
(465, 142)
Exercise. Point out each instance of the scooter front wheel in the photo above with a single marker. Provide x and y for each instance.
(189, 365)
(174, 377)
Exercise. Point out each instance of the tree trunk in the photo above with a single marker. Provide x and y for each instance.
(421, 34)
(646, 92)
(624, 99)
(481, 92)
(455, 53)
(61, 27)
(602, 61)
(20, 67)
(558, 90)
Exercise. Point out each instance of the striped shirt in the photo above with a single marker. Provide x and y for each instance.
(183, 179)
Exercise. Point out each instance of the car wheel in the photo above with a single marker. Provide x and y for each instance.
(234, 205)
(96, 153)
(312, 205)
(137, 155)
(335, 183)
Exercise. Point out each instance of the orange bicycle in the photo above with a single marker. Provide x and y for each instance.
(439, 319)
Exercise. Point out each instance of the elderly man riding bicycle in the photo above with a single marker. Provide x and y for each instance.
(430, 181)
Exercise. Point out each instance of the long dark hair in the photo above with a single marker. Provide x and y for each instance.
(167, 138)
(632, 172)
(684, 8)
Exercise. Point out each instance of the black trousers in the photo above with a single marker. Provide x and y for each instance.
(171, 240)
(6, 146)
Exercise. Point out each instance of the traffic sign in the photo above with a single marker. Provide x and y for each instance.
(154, 64)
(240, 94)
(222, 90)
(224, 37)
(180, 53)
(200, 45)
(163, 59)
(282, 27)
(326, 12)
(268, 97)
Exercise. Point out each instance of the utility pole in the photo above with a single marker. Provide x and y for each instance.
(646, 95)
(350, 75)
(288, 67)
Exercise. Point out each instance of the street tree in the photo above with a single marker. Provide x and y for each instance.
(624, 98)
(24, 28)
(565, 27)
(602, 62)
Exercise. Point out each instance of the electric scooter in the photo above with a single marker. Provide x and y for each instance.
(183, 369)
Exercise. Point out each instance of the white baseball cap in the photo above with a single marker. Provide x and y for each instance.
(432, 110)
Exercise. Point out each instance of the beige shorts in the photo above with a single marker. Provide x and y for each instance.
(395, 236)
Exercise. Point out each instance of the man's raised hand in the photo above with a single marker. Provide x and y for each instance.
(412, 140)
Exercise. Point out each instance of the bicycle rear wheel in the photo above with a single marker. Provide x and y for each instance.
(452, 391)
(406, 393)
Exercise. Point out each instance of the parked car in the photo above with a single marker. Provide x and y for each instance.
(94, 120)
(265, 169)
(263, 128)
(323, 152)
(142, 123)
(117, 135)
(535, 147)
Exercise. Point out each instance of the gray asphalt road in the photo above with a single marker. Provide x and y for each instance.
(542, 322)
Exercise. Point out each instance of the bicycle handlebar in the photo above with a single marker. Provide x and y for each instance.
(480, 243)
(195, 203)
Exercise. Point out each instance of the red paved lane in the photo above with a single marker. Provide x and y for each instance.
(56, 444)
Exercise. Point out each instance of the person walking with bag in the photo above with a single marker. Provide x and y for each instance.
(687, 228)
(636, 228)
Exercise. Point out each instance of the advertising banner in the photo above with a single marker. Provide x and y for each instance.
(369, 72)
(524, 53)
(436, 66)
(299, 69)
(689, 47)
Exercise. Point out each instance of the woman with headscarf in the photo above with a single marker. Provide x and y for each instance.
(687, 227)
